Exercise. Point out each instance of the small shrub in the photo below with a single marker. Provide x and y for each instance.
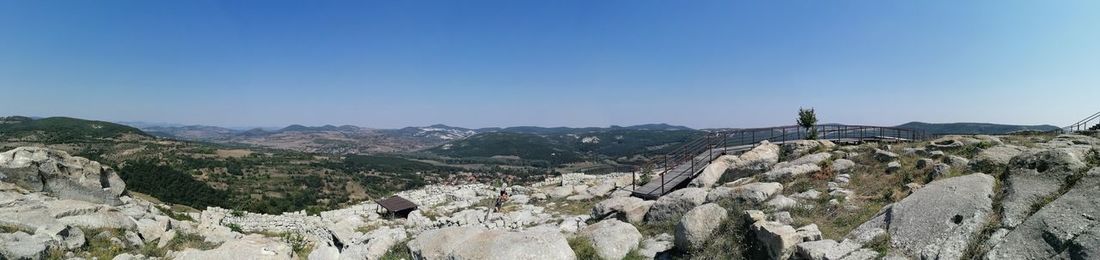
(101, 247)
(297, 242)
(367, 228)
(582, 247)
(880, 244)
(236, 213)
(190, 240)
(634, 255)
(729, 239)
(399, 251)
(656, 228)
(1093, 158)
(826, 173)
(174, 215)
(8, 229)
(234, 227)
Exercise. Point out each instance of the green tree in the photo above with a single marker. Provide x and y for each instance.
(808, 119)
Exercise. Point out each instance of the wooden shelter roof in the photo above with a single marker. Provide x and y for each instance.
(396, 203)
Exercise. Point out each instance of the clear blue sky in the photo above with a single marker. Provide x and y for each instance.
(550, 63)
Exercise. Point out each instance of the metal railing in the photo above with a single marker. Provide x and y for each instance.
(691, 157)
(1089, 123)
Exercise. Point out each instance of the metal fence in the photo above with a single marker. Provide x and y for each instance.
(1089, 123)
(690, 158)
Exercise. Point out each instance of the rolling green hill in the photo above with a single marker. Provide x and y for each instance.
(974, 128)
(564, 146)
(525, 146)
(62, 129)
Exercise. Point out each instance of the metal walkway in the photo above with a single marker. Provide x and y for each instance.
(679, 166)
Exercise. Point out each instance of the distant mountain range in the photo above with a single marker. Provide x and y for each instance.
(354, 139)
(974, 128)
(553, 144)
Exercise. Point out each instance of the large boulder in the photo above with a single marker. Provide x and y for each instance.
(248, 247)
(656, 245)
(480, 243)
(1066, 228)
(1026, 187)
(827, 249)
(761, 157)
(798, 148)
(712, 172)
(815, 159)
(613, 205)
(69, 237)
(938, 220)
(35, 210)
(374, 244)
(671, 206)
(777, 240)
(781, 202)
(697, 226)
(791, 171)
(843, 165)
(1035, 176)
(885, 156)
(957, 161)
(1045, 160)
(997, 156)
(612, 238)
(756, 192)
(20, 245)
(61, 175)
(630, 209)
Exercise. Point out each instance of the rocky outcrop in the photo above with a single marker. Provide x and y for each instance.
(629, 209)
(671, 206)
(791, 171)
(761, 157)
(1066, 228)
(825, 249)
(997, 156)
(374, 244)
(938, 220)
(843, 165)
(756, 192)
(1035, 176)
(776, 239)
(61, 175)
(248, 247)
(481, 243)
(713, 172)
(20, 245)
(798, 148)
(697, 226)
(612, 238)
(885, 156)
(814, 159)
(656, 245)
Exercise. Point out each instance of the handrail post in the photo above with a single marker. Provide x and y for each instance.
(753, 139)
(663, 176)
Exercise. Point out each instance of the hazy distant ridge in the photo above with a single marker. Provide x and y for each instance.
(974, 128)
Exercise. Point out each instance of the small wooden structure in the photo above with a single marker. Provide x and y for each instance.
(395, 207)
